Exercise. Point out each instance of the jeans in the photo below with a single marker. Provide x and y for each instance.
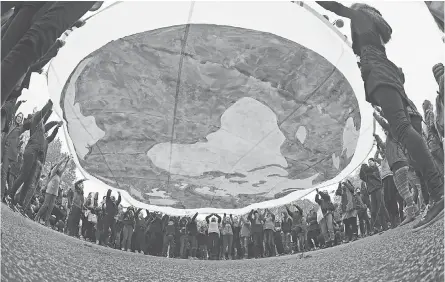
(168, 245)
(4, 174)
(127, 234)
(25, 175)
(109, 224)
(227, 245)
(184, 242)
(379, 214)
(286, 237)
(193, 243)
(245, 245)
(257, 242)
(390, 196)
(213, 245)
(350, 227)
(38, 39)
(140, 239)
(395, 112)
(46, 209)
(73, 221)
(312, 235)
(363, 220)
(327, 228)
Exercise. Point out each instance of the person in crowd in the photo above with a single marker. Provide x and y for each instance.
(438, 71)
(277, 236)
(349, 209)
(236, 228)
(362, 214)
(313, 229)
(155, 234)
(33, 149)
(184, 237)
(128, 220)
(10, 150)
(390, 193)
(202, 242)
(213, 221)
(227, 236)
(256, 232)
(268, 231)
(119, 227)
(326, 224)
(139, 230)
(286, 229)
(169, 237)
(298, 227)
(192, 231)
(371, 175)
(76, 209)
(433, 139)
(384, 87)
(399, 164)
(109, 224)
(245, 236)
(52, 190)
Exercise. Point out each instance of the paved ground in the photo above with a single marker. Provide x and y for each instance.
(31, 252)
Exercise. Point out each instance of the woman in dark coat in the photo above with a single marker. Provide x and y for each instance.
(384, 88)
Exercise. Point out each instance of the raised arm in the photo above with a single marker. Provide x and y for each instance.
(119, 198)
(50, 125)
(17, 106)
(383, 123)
(249, 217)
(208, 218)
(38, 116)
(379, 141)
(219, 218)
(299, 209)
(337, 9)
(194, 217)
(53, 135)
(290, 212)
(136, 214)
(108, 194)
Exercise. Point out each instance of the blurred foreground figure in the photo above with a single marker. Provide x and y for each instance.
(30, 33)
(384, 87)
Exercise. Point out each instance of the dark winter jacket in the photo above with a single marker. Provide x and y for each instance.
(297, 217)
(371, 175)
(156, 225)
(111, 208)
(311, 219)
(192, 227)
(128, 217)
(325, 203)
(286, 224)
(36, 131)
(256, 226)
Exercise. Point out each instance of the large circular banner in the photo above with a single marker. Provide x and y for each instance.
(211, 105)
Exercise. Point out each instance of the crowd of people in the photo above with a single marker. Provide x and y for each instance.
(404, 177)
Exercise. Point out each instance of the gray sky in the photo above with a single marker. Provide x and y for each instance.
(416, 45)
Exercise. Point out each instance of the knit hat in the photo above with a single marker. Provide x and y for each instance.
(438, 71)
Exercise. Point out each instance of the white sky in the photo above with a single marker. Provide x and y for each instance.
(416, 46)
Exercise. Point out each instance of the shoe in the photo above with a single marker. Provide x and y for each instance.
(434, 212)
(410, 213)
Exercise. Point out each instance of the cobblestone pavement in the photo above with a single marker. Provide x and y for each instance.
(31, 252)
